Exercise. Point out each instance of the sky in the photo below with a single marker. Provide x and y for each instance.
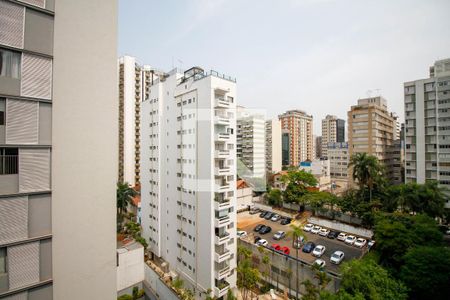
(319, 56)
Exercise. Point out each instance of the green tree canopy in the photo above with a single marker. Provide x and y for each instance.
(426, 272)
(297, 183)
(274, 197)
(367, 171)
(124, 195)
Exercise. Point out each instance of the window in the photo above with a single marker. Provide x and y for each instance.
(2, 111)
(9, 63)
(2, 261)
(9, 161)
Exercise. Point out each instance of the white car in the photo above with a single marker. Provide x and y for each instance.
(308, 227)
(279, 235)
(350, 240)
(337, 257)
(241, 233)
(342, 236)
(320, 262)
(324, 232)
(316, 229)
(360, 242)
(318, 251)
(262, 242)
(275, 218)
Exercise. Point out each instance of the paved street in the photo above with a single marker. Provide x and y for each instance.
(249, 222)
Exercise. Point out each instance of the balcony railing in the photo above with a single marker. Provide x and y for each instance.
(9, 164)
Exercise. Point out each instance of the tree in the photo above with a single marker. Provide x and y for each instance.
(426, 272)
(136, 294)
(297, 233)
(365, 277)
(311, 292)
(367, 171)
(274, 197)
(247, 277)
(124, 195)
(297, 183)
(322, 278)
(230, 295)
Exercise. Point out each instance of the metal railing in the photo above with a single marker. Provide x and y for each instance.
(9, 164)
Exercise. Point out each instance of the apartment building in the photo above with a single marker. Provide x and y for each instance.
(372, 129)
(338, 155)
(285, 148)
(333, 131)
(251, 142)
(188, 169)
(318, 146)
(55, 158)
(427, 123)
(320, 168)
(300, 126)
(273, 146)
(134, 83)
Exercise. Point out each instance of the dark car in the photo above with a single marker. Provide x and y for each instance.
(269, 216)
(309, 246)
(285, 221)
(263, 214)
(332, 234)
(258, 228)
(257, 238)
(265, 229)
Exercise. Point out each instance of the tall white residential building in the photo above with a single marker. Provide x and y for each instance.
(250, 142)
(427, 122)
(134, 83)
(333, 131)
(339, 159)
(188, 169)
(273, 146)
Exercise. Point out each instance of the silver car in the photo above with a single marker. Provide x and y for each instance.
(279, 235)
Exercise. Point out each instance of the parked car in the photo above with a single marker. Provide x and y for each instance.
(269, 216)
(275, 218)
(299, 242)
(253, 210)
(320, 263)
(360, 242)
(285, 221)
(279, 235)
(324, 231)
(332, 234)
(265, 229)
(316, 229)
(241, 233)
(337, 257)
(308, 227)
(318, 251)
(342, 236)
(257, 238)
(286, 250)
(258, 227)
(262, 242)
(276, 247)
(370, 244)
(350, 240)
(263, 214)
(309, 246)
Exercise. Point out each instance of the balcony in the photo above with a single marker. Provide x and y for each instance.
(222, 238)
(222, 271)
(222, 221)
(221, 254)
(221, 120)
(222, 137)
(220, 171)
(221, 153)
(221, 288)
(222, 102)
(222, 204)
(221, 187)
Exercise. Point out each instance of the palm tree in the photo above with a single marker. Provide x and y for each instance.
(366, 170)
(297, 233)
(321, 276)
(124, 194)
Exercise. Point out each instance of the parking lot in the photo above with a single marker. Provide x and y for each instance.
(248, 222)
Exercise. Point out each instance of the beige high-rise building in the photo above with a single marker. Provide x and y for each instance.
(300, 127)
(371, 128)
(333, 131)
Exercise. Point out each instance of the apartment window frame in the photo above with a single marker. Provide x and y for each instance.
(10, 63)
(9, 161)
(2, 111)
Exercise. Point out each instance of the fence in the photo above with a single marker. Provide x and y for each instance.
(333, 224)
(282, 272)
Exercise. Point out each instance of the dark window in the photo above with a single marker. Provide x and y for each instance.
(9, 161)
(9, 63)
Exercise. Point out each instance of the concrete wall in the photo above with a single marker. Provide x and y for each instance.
(84, 165)
(342, 227)
(155, 288)
(130, 270)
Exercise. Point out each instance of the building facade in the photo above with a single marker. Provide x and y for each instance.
(250, 142)
(320, 168)
(333, 131)
(273, 146)
(188, 186)
(318, 146)
(285, 148)
(338, 156)
(51, 144)
(134, 83)
(300, 126)
(372, 129)
(427, 126)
